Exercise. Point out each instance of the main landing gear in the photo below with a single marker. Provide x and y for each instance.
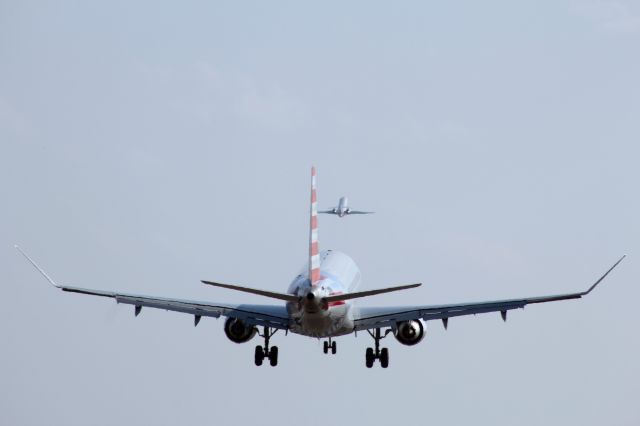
(265, 352)
(382, 354)
(329, 344)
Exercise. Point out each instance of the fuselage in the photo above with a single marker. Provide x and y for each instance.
(339, 274)
(343, 207)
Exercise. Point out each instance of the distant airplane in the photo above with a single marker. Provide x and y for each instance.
(318, 305)
(343, 209)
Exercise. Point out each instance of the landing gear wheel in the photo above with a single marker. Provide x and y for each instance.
(333, 348)
(384, 358)
(259, 356)
(325, 347)
(369, 357)
(273, 356)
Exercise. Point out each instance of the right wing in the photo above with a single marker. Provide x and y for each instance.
(258, 315)
(370, 317)
(328, 212)
(358, 212)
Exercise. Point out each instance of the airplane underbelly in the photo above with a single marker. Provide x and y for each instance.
(335, 321)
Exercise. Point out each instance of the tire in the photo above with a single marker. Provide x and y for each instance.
(369, 357)
(273, 356)
(325, 347)
(384, 358)
(259, 356)
(333, 348)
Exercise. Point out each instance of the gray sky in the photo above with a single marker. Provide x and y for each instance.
(146, 146)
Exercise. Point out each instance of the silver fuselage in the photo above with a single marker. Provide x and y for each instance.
(343, 207)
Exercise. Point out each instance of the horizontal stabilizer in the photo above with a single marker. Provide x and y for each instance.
(347, 296)
(271, 294)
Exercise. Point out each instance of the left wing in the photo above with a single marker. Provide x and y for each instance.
(358, 212)
(259, 315)
(368, 318)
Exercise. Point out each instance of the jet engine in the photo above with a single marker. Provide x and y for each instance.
(409, 332)
(237, 331)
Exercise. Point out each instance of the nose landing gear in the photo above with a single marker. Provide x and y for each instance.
(264, 352)
(382, 354)
(329, 344)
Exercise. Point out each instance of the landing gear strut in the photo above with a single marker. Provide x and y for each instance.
(265, 352)
(329, 344)
(382, 354)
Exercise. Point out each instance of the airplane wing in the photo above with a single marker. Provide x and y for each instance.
(368, 318)
(259, 315)
(328, 211)
(358, 212)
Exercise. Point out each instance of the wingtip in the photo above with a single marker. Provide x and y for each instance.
(35, 265)
(604, 276)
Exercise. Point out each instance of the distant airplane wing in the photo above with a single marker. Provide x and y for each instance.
(358, 212)
(259, 315)
(328, 211)
(368, 318)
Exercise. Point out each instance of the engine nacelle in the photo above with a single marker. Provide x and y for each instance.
(237, 331)
(409, 332)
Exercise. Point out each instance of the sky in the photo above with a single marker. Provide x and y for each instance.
(147, 145)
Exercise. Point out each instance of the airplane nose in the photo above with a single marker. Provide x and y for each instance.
(310, 296)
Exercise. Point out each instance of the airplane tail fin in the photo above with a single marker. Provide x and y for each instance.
(314, 253)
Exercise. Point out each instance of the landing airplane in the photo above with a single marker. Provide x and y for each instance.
(318, 305)
(343, 209)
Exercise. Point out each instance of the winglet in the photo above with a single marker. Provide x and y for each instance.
(584, 293)
(44, 274)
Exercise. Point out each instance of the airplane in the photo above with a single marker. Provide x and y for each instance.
(318, 304)
(343, 209)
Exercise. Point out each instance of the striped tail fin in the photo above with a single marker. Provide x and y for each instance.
(314, 253)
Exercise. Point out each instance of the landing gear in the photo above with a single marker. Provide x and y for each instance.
(371, 355)
(329, 344)
(264, 352)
